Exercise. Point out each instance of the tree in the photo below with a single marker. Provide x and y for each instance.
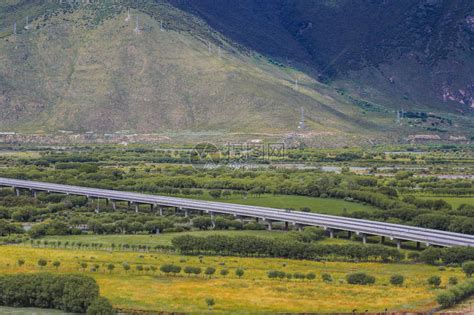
(215, 193)
(177, 269)
(110, 267)
(272, 274)
(139, 267)
(42, 263)
(7, 228)
(100, 306)
(360, 278)
(326, 277)
(69, 293)
(239, 272)
(397, 279)
(224, 272)
(188, 270)
(209, 271)
(21, 262)
(166, 269)
(56, 264)
(126, 266)
(310, 276)
(434, 281)
(202, 223)
(83, 266)
(468, 268)
(210, 302)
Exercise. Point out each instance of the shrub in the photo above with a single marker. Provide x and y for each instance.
(126, 266)
(468, 268)
(210, 302)
(414, 256)
(446, 299)
(310, 276)
(70, 293)
(210, 271)
(397, 279)
(434, 281)
(453, 281)
(360, 278)
(100, 306)
(326, 277)
(42, 262)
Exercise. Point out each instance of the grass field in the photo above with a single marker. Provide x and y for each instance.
(254, 293)
(318, 205)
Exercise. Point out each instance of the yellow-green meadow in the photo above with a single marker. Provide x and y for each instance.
(254, 292)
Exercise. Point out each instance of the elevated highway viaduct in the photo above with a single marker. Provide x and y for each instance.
(363, 228)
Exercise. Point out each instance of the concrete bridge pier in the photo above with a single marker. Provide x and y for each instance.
(349, 234)
(382, 240)
(286, 226)
(114, 204)
(34, 193)
(137, 207)
(399, 243)
(160, 209)
(186, 213)
(364, 238)
(331, 233)
(299, 227)
(418, 245)
(17, 191)
(213, 219)
(268, 223)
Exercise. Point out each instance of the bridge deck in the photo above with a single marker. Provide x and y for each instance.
(364, 227)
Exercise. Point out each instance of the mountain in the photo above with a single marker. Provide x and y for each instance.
(205, 66)
(413, 53)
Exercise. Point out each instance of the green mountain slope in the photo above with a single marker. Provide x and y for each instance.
(415, 55)
(85, 67)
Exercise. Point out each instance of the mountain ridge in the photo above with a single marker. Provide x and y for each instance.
(85, 68)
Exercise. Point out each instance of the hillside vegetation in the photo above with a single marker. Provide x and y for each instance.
(408, 54)
(87, 67)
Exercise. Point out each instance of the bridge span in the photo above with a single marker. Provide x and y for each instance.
(363, 228)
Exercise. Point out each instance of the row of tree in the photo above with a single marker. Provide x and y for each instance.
(283, 248)
(447, 256)
(191, 270)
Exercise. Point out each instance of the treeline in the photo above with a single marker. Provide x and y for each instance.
(456, 294)
(447, 256)
(460, 220)
(283, 248)
(100, 246)
(69, 293)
